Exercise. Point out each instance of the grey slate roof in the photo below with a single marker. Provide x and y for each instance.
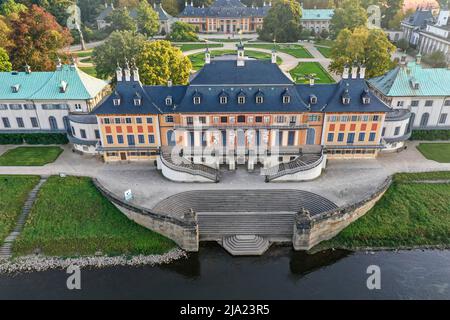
(419, 18)
(225, 9)
(258, 78)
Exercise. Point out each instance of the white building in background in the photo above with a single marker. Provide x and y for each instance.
(52, 102)
(316, 20)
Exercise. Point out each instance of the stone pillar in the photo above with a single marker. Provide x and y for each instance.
(301, 239)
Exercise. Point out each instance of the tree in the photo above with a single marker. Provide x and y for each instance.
(121, 20)
(5, 32)
(172, 7)
(159, 62)
(349, 16)
(120, 45)
(362, 45)
(403, 44)
(324, 34)
(436, 59)
(37, 39)
(9, 7)
(282, 22)
(5, 64)
(58, 8)
(90, 9)
(147, 19)
(182, 32)
(395, 22)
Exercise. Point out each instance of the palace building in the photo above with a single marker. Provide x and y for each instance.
(52, 102)
(240, 111)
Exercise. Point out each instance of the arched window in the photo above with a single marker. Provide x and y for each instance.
(310, 136)
(411, 121)
(53, 123)
(170, 138)
(424, 119)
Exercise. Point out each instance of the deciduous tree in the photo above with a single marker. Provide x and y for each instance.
(349, 15)
(5, 64)
(147, 19)
(182, 32)
(361, 45)
(5, 33)
(121, 20)
(10, 7)
(436, 59)
(37, 38)
(282, 22)
(159, 62)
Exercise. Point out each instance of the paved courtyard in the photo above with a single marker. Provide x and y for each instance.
(343, 182)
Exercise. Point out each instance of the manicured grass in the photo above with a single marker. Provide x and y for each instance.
(439, 152)
(13, 193)
(325, 42)
(194, 46)
(71, 218)
(228, 40)
(409, 214)
(198, 59)
(293, 49)
(30, 156)
(89, 70)
(305, 68)
(325, 51)
(82, 54)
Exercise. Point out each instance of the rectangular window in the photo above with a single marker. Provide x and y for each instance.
(330, 137)
(138, 120)
(362, 136)
(344, 118)
(120, 139)
(231, 119)
(372, 136)
(130, 139)
(354, 118)
(258, 119)
(15, 107)
(383, 132)
(29, 106)
(443, 118)
(375, 118)
(109, 139)
(313, 117)
(351, 137)
(169, 119)
(5, 106)
(151, 138)
(97, 134)
(399, 103)
(447, 103)
(241, 119)
(20, 123)
(250, 120)
(149, 120)
(216, 119)
(34, 122)
(429, 103)
(141, 138)
(267, 119)
(281, 119)
(202, 120)
(340, 137)
(223, 119)
(128, 120)
(396, 131)
(117, 120)
(106, 121)
(414, 103)
(190, 120)
(83, 133)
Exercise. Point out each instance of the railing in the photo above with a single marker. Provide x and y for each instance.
(188, 167)
(292, 167)
(244, 126)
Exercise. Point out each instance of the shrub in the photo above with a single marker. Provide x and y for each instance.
(10, 138)
(430, 135)
(33, 138)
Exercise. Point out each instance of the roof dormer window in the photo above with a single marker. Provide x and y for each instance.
(366, 100)
(168, 101)
(196, 100)
(63, 86)
(241, 100)
(116, 101)
(223, 100)
(286, 99)
(15, 88)
(137, 101)
(259, 99)
(346, 100)
(312, 99)
(346, 97)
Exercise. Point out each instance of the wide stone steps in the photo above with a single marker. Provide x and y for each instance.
(6, 248)
(245, 245)
(300, 163)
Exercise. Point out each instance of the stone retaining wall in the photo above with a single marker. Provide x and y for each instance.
(183, 231)
(311, 230)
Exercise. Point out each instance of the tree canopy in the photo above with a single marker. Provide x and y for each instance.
(362, 45)
(282, 22)
(182, 32)
(159, 62)
(349, 15)
(118, 46)
(147, 19)
(9, 7)
(435, 59)
(5, 64)
(36, 38)
(121, 20)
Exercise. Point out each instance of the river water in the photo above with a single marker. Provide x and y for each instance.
(280, 274)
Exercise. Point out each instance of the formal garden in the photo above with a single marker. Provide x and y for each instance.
(308, 68)
(439, 152)
(30, 156)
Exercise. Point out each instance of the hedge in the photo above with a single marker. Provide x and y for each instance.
(430, 135)
(33, 138)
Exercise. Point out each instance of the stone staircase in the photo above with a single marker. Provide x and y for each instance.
(188, 167)
(303, 162)
(245, 245)
(6, 248)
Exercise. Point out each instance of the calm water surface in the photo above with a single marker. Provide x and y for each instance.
(280, 274)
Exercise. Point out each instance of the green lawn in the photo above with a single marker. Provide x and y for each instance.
(198, 59)
(30, 156)
(194, 46)
(82, 54)
(305, 68)
(89, 70)
(71, 218)
(13, 193)
(325, 51)
(325, 42)
(228, 40)
(439, 152)
(409, 214)
(293, 49)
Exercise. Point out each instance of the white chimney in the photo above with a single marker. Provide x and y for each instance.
(119, 73)
(274, 56)
(169, 83)
(345, 72)
(207, 56)
(311, 81)
(127, 71)
(240, 55)
(354, 71)
(362, 71)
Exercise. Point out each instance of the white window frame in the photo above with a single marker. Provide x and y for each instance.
(241, 100)
(197, 100)
(286, 99)
(223, 100)
(259, 99)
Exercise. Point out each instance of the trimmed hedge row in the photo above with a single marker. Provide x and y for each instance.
(430, 135)
(33, 138)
